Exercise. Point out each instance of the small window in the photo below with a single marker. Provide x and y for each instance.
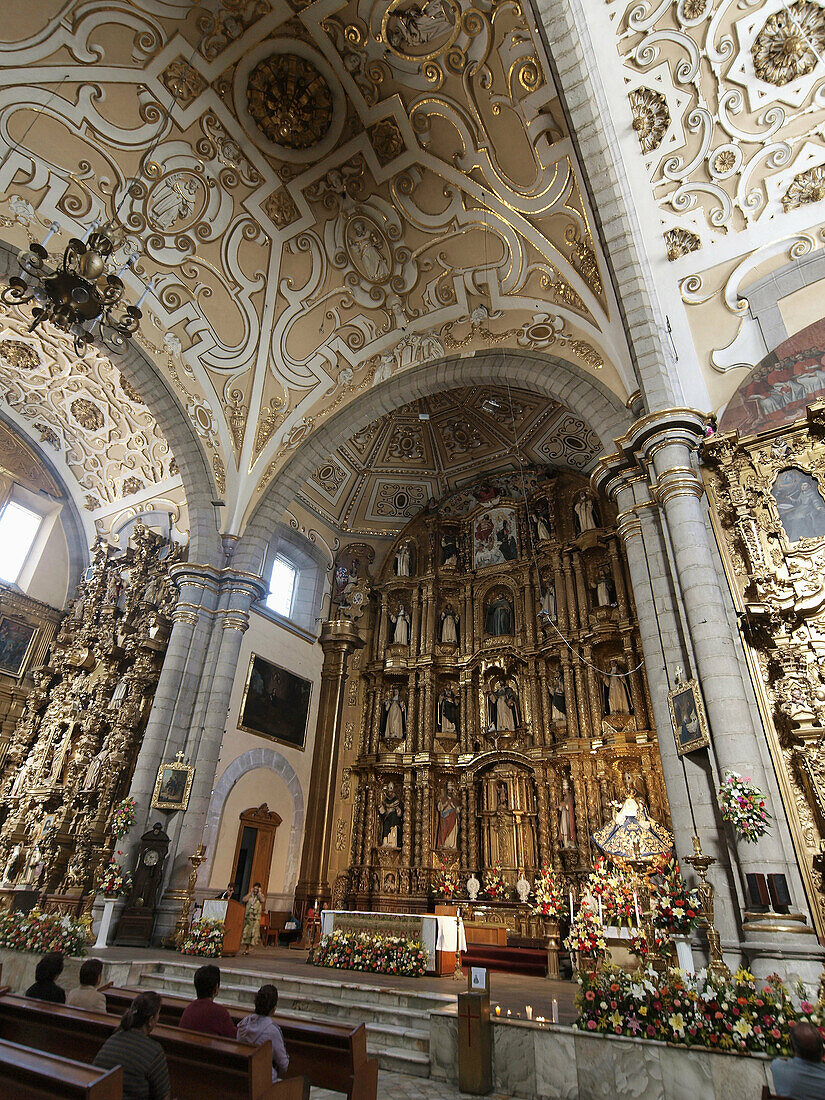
(281, 587)
(18, 527)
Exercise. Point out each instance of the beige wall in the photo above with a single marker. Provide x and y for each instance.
(50, 579)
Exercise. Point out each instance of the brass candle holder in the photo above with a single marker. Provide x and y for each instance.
(639, 867)
(458, 973)
(700, 863)
(182, 923)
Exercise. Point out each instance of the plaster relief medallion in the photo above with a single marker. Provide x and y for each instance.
(87, 414)
(787, 46)
(290, 101)
(19, 355)
(651, 117)
(419, 31)
(368, 249)
(175, 202)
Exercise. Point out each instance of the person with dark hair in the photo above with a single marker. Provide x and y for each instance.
(803, 1076)
(259, 1026)
(45, 988)
(145, 1072)
(203, 1014)
(87, 995)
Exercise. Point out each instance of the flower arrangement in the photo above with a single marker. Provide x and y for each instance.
(638, 942)
(445, 884)
(113, 881)
(586, 935)
(494, 884)
(205, 937)
(742, 804)
(740, 1014)
(41, 933)
(614, 888)
(548, 899)
(123, 817)
(375, 952)
(676, 909)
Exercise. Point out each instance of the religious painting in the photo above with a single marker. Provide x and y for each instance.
(495, 537)
(687, 714)
(172, 786)
(15, 642)
(801, 507)
(447, 818)
(275, 703)
(779, 389)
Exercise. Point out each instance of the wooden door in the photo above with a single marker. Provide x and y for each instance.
(256, 835)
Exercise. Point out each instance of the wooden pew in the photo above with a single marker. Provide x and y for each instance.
(331, 1056)
(27, 1074)
(234, 1070)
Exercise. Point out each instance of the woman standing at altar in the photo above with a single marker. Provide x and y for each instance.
(251, 934)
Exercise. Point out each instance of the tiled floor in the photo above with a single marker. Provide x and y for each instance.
(397, 1086)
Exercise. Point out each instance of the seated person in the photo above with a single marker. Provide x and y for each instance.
(803, 1076)
(45, 987)
(291, 931)
(259, 1026)
(87, 995)
(203, 1014)
(145, 1071)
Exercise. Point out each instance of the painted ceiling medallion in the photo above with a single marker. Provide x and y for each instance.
(783, 49)
(805, 188)
(650, 117)
(290, 101)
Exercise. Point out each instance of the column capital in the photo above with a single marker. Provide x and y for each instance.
(637, 448)
(196, 575)
(340, 635)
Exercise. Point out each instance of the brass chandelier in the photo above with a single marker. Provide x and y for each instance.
(83, 296)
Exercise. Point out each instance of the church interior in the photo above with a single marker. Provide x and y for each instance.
(412, 527)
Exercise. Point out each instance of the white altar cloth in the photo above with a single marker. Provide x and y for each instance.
(436, 933)
(214, 910)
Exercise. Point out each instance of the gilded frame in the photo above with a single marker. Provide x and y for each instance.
(169, 770)
(685, 702)
(296, 739)
(21, 654)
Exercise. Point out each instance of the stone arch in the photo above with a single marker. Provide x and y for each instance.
(552, 377)
(199, 486)
(247, 762)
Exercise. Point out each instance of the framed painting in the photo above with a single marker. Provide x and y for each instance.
(16, 640)
(495, 537)
(275, 703)
(172, 786)
(690, 726)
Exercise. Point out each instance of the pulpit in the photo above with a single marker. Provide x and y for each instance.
(232, 914)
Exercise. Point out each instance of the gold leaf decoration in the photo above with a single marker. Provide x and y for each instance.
(651, 117)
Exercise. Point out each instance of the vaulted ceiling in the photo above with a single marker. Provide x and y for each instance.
(327, 194)
(386, 473)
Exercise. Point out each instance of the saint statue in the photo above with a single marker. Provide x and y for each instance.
(498, 620)
(616, 694)
(402, 560)
(449, 551)
(11, 865)
(605, 593)
(395, 717)
(558, 703)
(92, 776)
(548, 604)
(449, 626)
(447, 712)
(448, 815)
(567, 817)
(119, 694)
(502, 709)
(585, 516)
(391, 816)
(401, 627)
(542, 530)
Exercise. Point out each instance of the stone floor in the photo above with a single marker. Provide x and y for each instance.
(397, 1086)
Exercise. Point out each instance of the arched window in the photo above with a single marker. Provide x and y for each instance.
(296, 571)
(18, 530)
(282, 585)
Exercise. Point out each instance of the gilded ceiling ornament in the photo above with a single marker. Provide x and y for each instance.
(200, 413)
(132, 485)
(724, 161)
(281, 208)
(651, 117)
(47, 435)
(269, 420)
(588, 353)
(782, 49)
(406, 442)
(219, 471)
(19, 355)
(330, 477)
(679, 242)
(290, 101)
(419, 30)
(387, 140)
(584, 260)
(185, 83)
(693, 9)
(805, 188)
(130, 391)
(91, 503)
(87, 414)
(562, 292)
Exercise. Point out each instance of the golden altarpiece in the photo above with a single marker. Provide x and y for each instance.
(766, 493)
(502, 703)
(72, 754)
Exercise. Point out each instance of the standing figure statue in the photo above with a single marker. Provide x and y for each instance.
(542, 530)
(395, 717)
(401, 626)
(449, 626)
(448, 817)
(547, 607)
(502, 709)
(402, 560)
(567, 817)
(585, 515)
(558, 703)
(616, 695)
(447, 716)
(391, 816)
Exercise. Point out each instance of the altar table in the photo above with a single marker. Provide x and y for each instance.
(437, 933)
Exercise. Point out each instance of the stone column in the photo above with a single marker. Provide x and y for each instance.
(338, 639)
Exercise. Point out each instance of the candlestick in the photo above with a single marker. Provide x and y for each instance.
(555, 1011)
(151, 286)
(571, 904)
(636, 907)
(601, 918)
(53, 228)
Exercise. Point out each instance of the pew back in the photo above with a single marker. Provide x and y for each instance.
(27, 1074)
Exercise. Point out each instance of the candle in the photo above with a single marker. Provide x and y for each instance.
(636, 907)
(498, 1010)
(555, 1013)
(601, 918)
(53, 228)
(509, 1013)
(528, 1011)
(151, 286)
(571, 904)
(90, 230)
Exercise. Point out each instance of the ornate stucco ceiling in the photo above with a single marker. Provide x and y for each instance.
(386, 473)
(327, 192)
